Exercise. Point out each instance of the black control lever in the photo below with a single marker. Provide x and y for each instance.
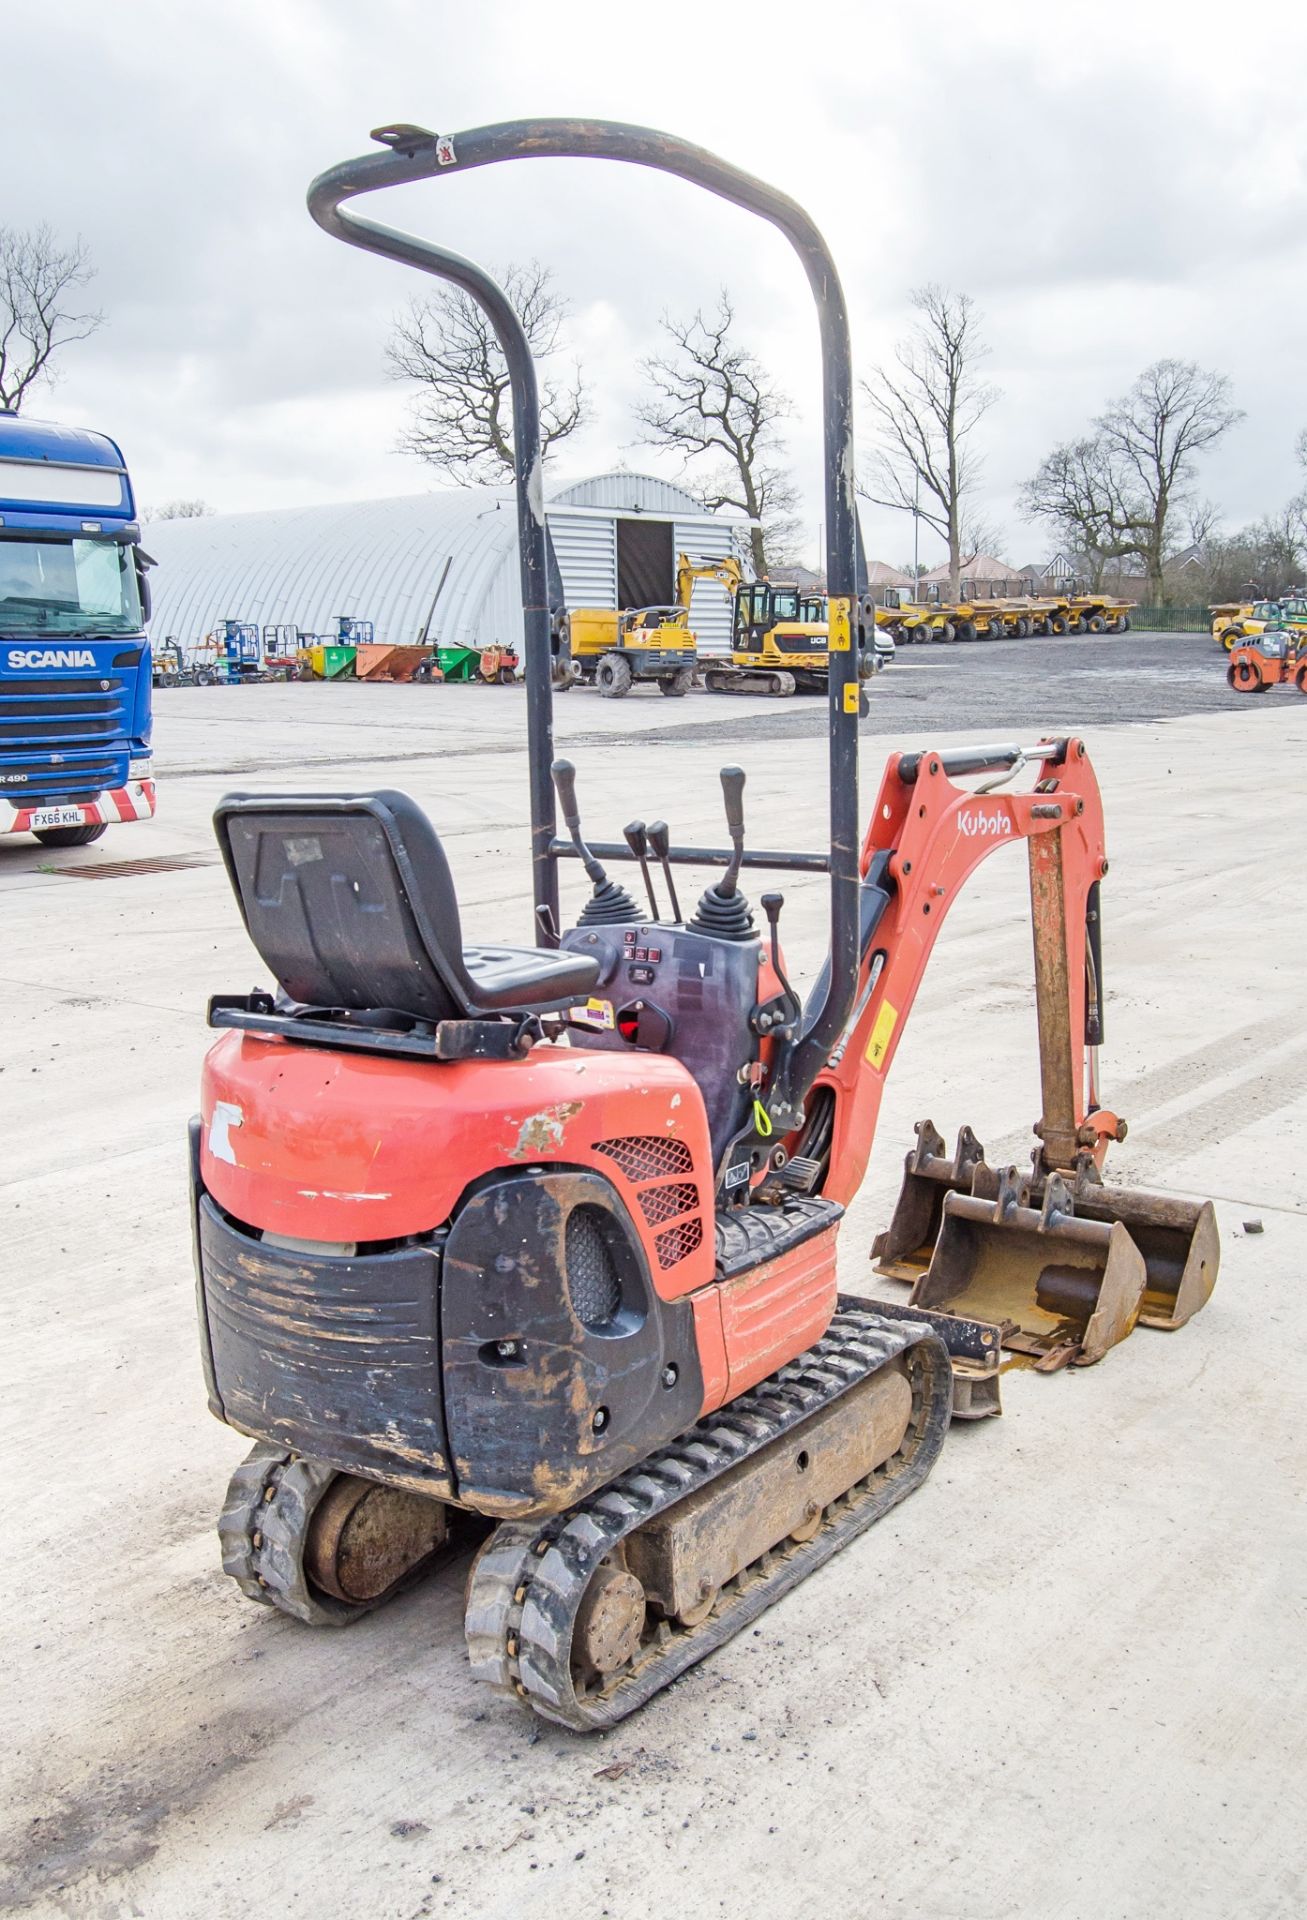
(638, 841)
(733, 792)
(660, 840)
(771, 904)
(609, 902)
(723, 910)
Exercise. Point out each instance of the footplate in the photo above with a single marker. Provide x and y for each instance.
(559, 1614)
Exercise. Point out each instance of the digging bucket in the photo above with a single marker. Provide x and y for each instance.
(1179, 1241)
(1061, 1286)
(905, 1249)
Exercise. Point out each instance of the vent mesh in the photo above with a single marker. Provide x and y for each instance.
(647, 1156)
(592, 1283)
(678, 1242)
(664, 1203)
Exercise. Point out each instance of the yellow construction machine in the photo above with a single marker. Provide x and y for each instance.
(611, 650)
(779, 638)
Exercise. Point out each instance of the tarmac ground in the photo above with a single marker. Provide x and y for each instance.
(1063, 1679)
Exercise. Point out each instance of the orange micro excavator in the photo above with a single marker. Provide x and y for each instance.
(535, 1247)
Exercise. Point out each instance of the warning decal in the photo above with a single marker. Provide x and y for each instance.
(881, 1035)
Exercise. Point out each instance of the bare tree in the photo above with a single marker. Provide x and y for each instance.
(979, 536)
(1296, 511)
(924, 412)
(1260, 562)
(38, 285)
(1151, 437)
(713, 397)
(462, 420)
(1202, 522)
(1078, 489)
(180, 510)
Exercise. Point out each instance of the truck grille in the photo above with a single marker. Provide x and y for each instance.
(68, 735)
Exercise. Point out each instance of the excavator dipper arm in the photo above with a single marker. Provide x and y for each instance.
(926, 837)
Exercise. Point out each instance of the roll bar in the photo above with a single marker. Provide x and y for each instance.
(414, 153)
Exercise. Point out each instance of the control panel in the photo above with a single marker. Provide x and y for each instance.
(670, 989)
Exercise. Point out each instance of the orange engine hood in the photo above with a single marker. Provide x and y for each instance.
(350, 1147)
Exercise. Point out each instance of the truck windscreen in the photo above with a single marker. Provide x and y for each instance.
(68, 587)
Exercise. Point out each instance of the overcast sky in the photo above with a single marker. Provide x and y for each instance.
(1111, 183)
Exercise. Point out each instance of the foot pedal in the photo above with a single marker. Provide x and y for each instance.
(800, 1175)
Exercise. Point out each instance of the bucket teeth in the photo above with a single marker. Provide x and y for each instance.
(1063, 1264)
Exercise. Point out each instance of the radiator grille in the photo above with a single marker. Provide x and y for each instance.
(665, 1203)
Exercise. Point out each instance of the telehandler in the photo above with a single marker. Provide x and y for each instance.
(536, 1246)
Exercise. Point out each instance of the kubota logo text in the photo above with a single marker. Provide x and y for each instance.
(20, 657)
(983, 823)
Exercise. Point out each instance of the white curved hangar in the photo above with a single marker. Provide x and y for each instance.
(435, 566)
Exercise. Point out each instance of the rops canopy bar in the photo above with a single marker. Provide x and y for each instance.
(416, 154)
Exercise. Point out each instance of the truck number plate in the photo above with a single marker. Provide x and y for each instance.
(56, 817)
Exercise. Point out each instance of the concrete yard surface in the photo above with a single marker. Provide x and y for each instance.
(1065, 1679)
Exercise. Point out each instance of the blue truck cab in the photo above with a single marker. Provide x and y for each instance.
(75, 679)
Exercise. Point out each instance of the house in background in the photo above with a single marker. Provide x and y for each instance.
(982, 577)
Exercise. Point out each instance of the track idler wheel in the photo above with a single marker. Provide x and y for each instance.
(320, 1545)
(610, 1624)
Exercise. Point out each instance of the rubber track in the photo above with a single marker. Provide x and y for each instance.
(271, 1499)
(530, 1579)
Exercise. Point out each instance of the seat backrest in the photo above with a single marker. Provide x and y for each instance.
(349, 900)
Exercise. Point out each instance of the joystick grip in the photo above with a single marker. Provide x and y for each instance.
(733, 792)
(564, 774)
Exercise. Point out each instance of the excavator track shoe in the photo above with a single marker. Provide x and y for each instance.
(323, 1546)
(587, 1615)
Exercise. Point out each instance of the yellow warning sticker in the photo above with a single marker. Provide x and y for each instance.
(838, 623)
(851, 695)
(881, 1035)
(595, 1013)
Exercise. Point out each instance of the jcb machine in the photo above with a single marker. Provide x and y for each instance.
(539, 1243)
(613, 650)
(779, 643)
(780, 639)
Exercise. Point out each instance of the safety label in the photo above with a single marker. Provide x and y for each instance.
(882, 1033)
(595, 1013)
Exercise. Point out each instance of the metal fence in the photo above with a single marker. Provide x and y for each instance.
(1171, 619)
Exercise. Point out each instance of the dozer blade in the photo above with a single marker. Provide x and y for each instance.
(1178, 1239)
(905, 1249)
(1062, 1287)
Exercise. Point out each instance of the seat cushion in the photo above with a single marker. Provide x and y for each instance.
(527, 977)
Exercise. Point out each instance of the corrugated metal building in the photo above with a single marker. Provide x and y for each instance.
(439, 566)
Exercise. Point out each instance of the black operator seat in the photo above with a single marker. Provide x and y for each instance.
(349, 900)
